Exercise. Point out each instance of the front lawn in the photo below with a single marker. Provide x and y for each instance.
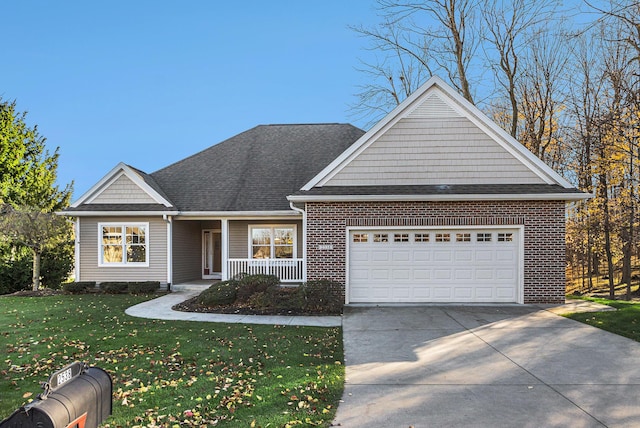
(168, 373)
(625, 321)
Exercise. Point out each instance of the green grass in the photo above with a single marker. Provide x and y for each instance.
(172, 373)
(625, 321)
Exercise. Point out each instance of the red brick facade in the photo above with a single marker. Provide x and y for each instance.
(543, 221)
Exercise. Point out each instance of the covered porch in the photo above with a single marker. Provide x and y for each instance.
(221, 248)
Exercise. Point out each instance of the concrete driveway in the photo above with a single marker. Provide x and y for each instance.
(484, 366)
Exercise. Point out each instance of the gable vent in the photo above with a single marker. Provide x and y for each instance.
(433, 107)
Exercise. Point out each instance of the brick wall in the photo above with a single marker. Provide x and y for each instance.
(544, 234)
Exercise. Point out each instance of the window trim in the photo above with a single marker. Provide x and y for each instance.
(272, 243)
(123, 225)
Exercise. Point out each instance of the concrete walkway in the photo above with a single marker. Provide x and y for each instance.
(485, 366)
(160, 308)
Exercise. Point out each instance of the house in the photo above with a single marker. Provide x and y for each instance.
(435, 203)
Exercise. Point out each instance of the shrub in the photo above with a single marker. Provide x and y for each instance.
(221, 293)
(323, 295)
(282, 298)
(249, 285)
(78, 287)
(114, 287)
(145, 287)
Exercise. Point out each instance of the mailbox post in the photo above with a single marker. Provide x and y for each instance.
(76, 396)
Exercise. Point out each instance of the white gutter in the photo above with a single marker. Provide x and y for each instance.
(443, 198)
(116, 213)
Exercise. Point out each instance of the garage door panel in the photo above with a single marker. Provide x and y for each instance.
(463, 265)
(442, 256)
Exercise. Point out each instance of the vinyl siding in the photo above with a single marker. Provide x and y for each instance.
(187, 251)
(156, 245)
(239, 236)
(123, 191)
(422, 149)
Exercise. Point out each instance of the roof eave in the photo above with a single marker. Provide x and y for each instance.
(442, 198)
(115, 213)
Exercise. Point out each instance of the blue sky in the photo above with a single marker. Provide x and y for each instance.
(151, 82)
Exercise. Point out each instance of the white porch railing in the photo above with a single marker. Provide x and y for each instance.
(288, 270)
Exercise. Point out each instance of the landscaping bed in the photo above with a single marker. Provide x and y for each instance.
(263, 295)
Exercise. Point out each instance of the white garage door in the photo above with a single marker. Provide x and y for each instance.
(469, 265)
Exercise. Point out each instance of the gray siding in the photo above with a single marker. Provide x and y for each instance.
(434, 150)
(89, 247)
(123, 191)
(187, 251)
(239, 236)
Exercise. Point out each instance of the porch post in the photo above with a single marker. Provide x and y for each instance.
(225, 247)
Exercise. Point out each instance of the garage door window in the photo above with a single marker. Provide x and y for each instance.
(421, 237)
(463, 237)
(380, 237)
(401, 237)
(443, 237)
(360, 237)
(505, 237)
(483, 237)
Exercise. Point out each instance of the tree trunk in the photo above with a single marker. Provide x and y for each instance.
(607, 233)
(36, 270)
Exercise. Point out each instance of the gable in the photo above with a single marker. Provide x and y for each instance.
(436, 137)
(123, 191)
(123, 186)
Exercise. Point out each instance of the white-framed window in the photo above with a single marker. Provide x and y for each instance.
(272, 242)
(123, 244)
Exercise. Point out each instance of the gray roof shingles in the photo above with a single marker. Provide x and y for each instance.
(255, 170)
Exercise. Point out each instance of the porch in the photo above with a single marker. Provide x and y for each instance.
(213, 249)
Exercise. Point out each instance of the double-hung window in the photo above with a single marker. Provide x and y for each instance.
(123, 244)
(272, 242)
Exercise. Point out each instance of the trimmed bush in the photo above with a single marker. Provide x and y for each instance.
(146, 287)
(221, 293)
(114, 287)
(323, 295)
(282, 298)
(78, 287)
(249, 285)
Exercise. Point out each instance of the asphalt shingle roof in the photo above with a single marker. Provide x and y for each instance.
(255, 170)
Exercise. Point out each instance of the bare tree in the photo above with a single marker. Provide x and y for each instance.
(509, 29)
(416, 40)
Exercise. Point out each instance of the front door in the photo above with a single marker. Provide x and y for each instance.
(211, 254)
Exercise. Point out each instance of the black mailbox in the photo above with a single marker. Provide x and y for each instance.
(76, 396)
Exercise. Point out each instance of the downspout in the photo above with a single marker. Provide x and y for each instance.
(169, 220)
(76, 256)
(304, 239)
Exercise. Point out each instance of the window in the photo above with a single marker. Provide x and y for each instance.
(484, 237)
(505, 237)
(272, 242)
(421, 237)
(380, 237)
(463, 237)
(443, 237)
(123, 244)
(400, 237)
(360, 237)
